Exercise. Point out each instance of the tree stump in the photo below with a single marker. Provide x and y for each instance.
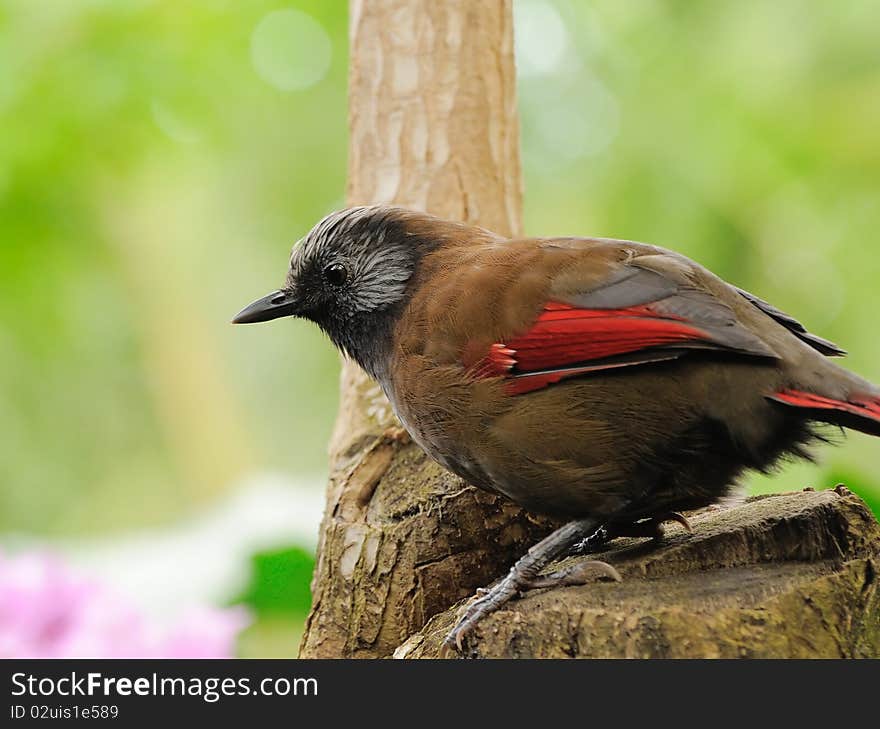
(783, 576)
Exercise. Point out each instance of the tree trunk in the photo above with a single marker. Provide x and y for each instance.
(433, 126)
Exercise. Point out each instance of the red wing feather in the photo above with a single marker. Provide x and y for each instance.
(865, 408)
(564, 335)
(566, 341)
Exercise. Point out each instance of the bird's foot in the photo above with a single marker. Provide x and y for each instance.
(526, 575)
(651, 528)
(593, 543)
(488, 601)
(645, 529)
(515, 584)
(576, 574)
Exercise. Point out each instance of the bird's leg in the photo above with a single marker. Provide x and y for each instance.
(647, 528)
(525, 575)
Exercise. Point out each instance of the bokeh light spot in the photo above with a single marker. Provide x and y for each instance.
(582, 123)
(540, 37)
(290, 50)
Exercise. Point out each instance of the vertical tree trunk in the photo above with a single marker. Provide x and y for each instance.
(433, 126)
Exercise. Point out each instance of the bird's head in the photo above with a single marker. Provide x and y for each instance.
(349, 275)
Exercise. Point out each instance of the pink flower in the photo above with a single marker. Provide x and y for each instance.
(48, 611)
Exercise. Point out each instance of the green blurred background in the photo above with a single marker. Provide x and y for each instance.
(159, 158)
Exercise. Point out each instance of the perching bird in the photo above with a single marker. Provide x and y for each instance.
(611, 382)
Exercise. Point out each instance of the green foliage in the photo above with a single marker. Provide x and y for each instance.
(151, 183)
(280, 582)
(279, 597)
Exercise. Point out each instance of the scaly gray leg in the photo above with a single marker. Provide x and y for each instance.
(525, 575)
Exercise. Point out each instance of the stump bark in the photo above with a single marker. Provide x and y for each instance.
(783, 576)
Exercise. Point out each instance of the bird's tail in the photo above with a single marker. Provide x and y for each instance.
(858, 411)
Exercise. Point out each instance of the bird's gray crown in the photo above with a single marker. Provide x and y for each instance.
(350, 274)
(371, 244)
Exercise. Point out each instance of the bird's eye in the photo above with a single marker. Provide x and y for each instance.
(336, 274)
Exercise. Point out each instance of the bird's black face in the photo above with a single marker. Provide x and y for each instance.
(349, 275)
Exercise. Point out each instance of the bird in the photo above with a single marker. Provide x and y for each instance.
(609, 382)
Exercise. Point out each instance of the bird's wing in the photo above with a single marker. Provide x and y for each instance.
(829, 349)
(642, 310)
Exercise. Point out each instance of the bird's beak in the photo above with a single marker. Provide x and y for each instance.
(272, 306)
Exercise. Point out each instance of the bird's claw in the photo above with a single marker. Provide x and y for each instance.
(513, 585)
(577, 574)
(678, 518)
(488, 601)
(652, 528)
(522, 576)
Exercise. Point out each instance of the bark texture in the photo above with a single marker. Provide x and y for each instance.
(784, 576)
(433, 126)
